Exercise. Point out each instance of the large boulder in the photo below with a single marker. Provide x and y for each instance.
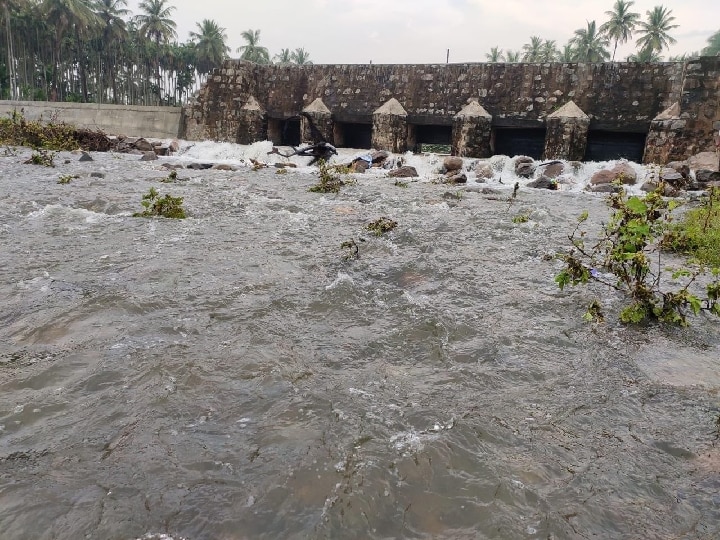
(543, 183)
(673, 178)
(452, 163)
(553, 170)
(703, 160)
(455, 177)
(705, 175)
(483, 171)
(620, 173)
(406, 171)
(524, 166)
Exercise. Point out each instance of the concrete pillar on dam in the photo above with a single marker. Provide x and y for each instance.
(252, 122)
(390, 127)
(666, 131)
(472, 132)
(316, 123)
(567, 133)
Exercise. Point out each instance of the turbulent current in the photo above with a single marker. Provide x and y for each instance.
(239, 374)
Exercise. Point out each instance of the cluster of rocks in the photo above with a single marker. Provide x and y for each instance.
(148, 150)
(675, 177)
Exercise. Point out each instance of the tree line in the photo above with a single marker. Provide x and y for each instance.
(99, 51)
(599, 43)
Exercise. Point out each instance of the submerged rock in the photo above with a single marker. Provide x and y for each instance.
(406, 171)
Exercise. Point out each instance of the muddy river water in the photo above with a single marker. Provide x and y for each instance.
(239, 375)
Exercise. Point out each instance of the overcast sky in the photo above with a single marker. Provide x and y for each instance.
(421, 31)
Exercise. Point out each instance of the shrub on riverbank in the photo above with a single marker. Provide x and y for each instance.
(697, 233)
(16, 130)
(627, 258)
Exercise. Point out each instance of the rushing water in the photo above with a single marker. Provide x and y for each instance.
(236, 375)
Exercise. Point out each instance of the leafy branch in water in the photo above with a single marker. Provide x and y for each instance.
(330, 179)
(381, 226)
(627, 258)
(41, 157)
(167, 206)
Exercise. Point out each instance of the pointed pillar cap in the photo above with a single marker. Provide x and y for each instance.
(317, 106)
(569, 110)
(671, 113)
(473, 110)
(391, 107)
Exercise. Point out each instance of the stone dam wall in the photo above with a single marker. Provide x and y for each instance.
(660, 111)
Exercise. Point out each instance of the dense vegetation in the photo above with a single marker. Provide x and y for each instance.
(98, 51)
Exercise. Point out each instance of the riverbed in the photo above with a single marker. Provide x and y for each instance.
(240, 374)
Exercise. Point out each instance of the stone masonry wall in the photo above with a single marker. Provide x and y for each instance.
(618, 97)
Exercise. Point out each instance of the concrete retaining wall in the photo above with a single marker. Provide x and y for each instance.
(131, 120)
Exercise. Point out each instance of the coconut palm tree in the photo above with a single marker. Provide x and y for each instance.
(156, 26)
(155, 23)
(713, 47)
(590, 45)
(300, 57)
(533, 50)
(512, 57)
(495, 55)
(253, 52)
(114, 33)
(210, 45)
(284, 57)
(75, 20)
(646, 54)
(567, 54)
(619, 27)
(655, 31)
(5, 13)
(549, 51)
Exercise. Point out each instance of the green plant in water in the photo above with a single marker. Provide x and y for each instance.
(330, 181)
(381, 226)
(351, 245)
(67, 178)
(627, 257)
(400, 184)
(167, 206)
(523, 217)
(42, 157)
(170, 178)
(697, 233)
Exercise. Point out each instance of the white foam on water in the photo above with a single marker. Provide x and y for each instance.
(53, 211)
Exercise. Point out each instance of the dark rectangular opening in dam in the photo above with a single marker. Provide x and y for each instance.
(520, 142)
(432, 138)
(353, 135)
(284, 132)
(607, 145)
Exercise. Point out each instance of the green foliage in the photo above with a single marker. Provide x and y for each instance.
(167, 206)
(351, 245)
(42, 157)
(330, 180)
(170, 178)
(628, 252)
(381, 226)
(697, 234)
(521, 218)
(401, 184)
(17, 131)
(67, 178)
